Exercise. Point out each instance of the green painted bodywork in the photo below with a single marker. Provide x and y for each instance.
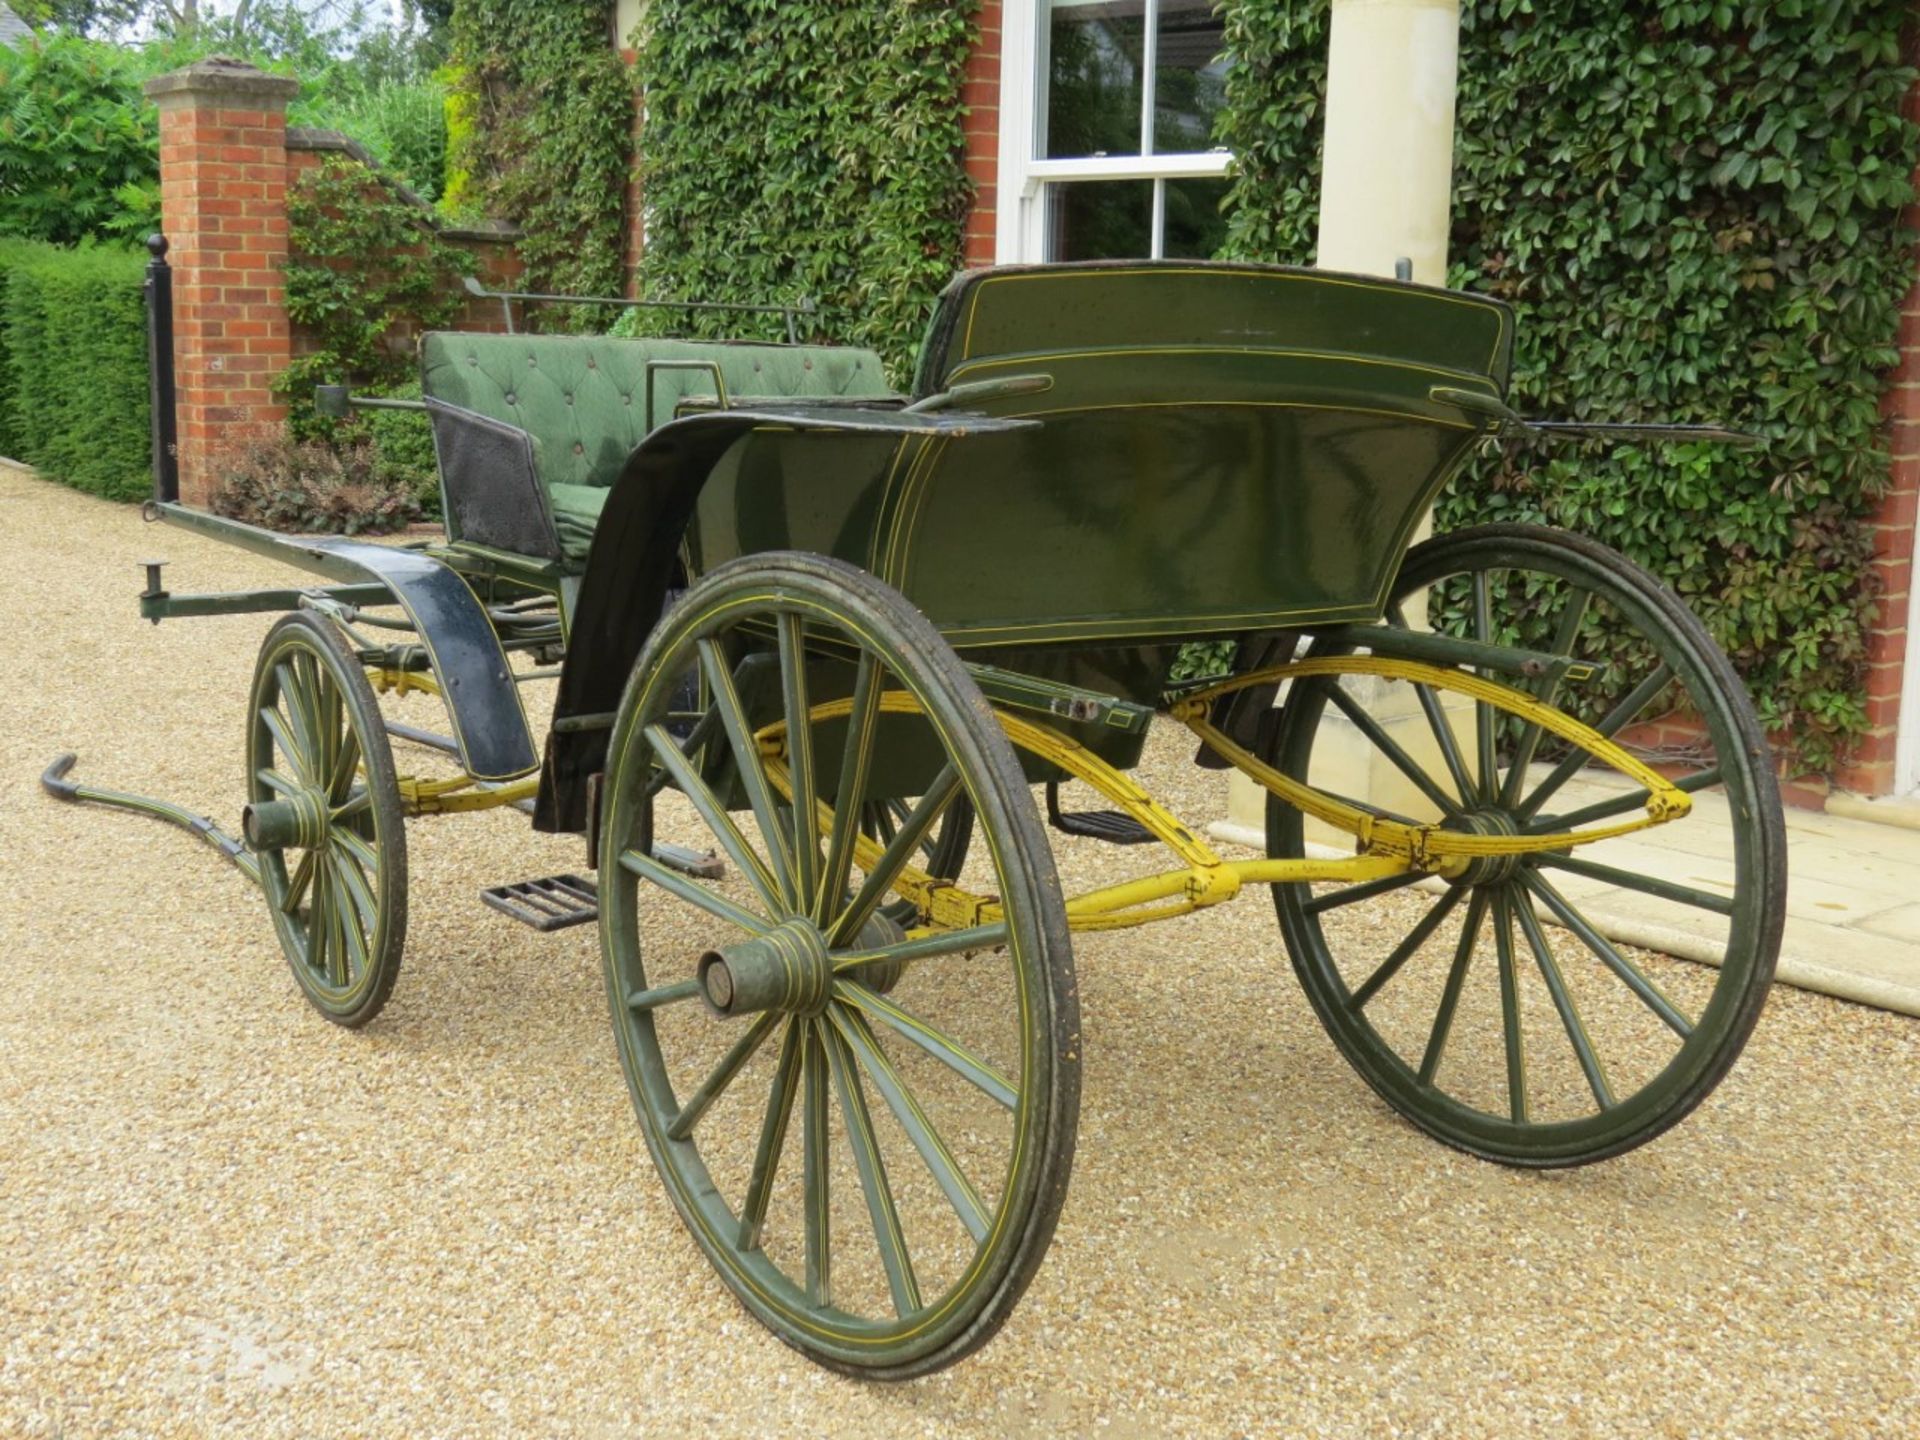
(1222, 448)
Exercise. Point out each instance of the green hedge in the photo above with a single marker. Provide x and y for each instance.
(73, 366)
(1696, 210)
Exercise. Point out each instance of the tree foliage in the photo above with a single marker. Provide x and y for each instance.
(808, 148)
(1695, 208)
(78, 144)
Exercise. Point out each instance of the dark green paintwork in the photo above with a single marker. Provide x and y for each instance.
(1222, 448)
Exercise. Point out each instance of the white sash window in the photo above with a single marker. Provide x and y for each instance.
(1106, 118)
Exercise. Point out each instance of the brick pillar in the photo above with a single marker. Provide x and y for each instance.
(1870, 767)
(223, 194)
(981, 95)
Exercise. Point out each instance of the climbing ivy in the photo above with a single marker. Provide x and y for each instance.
(808, 149)
(1695, 208)
(543, 135)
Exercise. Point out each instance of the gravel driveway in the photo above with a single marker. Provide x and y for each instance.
(222, 1216)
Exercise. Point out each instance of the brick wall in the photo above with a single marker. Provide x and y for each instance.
(1871, 769)
(226, 161)
(981, 96)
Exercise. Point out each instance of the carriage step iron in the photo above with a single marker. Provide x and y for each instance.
(1108, 825)
(550, 904)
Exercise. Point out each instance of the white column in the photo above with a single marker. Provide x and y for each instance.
(1386, 188)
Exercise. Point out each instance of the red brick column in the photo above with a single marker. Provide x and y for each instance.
(223, 185)
(981, 95)
(1870, 770)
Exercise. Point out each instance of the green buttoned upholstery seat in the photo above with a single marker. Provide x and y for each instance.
(582, 398)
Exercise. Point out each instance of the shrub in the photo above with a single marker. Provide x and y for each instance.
(79, 143)
(403, 453)
(73, 366)
(311, 486)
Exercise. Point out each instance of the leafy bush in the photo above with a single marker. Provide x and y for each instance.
(73, 366)
(403, 452)
(79, 143)
(1696, 210)
(358, 314)
(310, 486)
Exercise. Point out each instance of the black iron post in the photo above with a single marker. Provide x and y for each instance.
(166, 447)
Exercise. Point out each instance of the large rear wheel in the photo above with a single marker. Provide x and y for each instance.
(866, 1118)
(1495, 1011)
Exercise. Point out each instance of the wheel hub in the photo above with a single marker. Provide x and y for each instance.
(786, 969)
(1488, 869)
(299, 819)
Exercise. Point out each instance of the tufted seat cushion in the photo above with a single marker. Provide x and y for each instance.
(583, 398)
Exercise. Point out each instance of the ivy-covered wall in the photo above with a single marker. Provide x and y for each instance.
(807, 148)
(543, 135)
(1696, 209)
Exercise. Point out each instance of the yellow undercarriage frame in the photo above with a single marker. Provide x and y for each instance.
(458, 795)
(1384, 847)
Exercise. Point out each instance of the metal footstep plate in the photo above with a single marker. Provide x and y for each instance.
(1108, 825)
(550, 904)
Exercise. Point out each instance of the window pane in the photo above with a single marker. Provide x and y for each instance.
(1195, 228)
(1190, 76)
(1095, 53)
(1099, 219)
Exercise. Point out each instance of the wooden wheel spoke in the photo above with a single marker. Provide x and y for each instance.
(319, 925)
(855, 761)
(746, 760)
(697, 737)
(1354, 894)
(1437, 722)
(297, 695)
(872, 1169)
(346, 764)
(800, 767)
(816, 1155)
(719, 823)
(942, 1047)
(350, 915)
(722, 1075)
(773, 1136)
(1563, 1001)
(276, 782)
(894, 858)
(1623, 804)
(1483, 713)
(286, 737)
(1510, 1009)
(940, 1162)
(1629, 973)
(297, 884)
(927, 947)
(1573, 614)
(354, 882)
(1391, 748)
(660, 995)
(1407, 948)
(357, 803)
(356, 848)
(1616, 719)
(1450, 995)
(692, 891)
(1643, 884)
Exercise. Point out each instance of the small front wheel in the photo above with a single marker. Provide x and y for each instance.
(324, 817)
(862, 1103)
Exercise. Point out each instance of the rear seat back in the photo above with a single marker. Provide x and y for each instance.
(583, 397)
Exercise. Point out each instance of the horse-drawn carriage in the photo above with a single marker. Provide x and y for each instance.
(818, 646)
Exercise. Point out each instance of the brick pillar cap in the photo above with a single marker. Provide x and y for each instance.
(221, 75)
